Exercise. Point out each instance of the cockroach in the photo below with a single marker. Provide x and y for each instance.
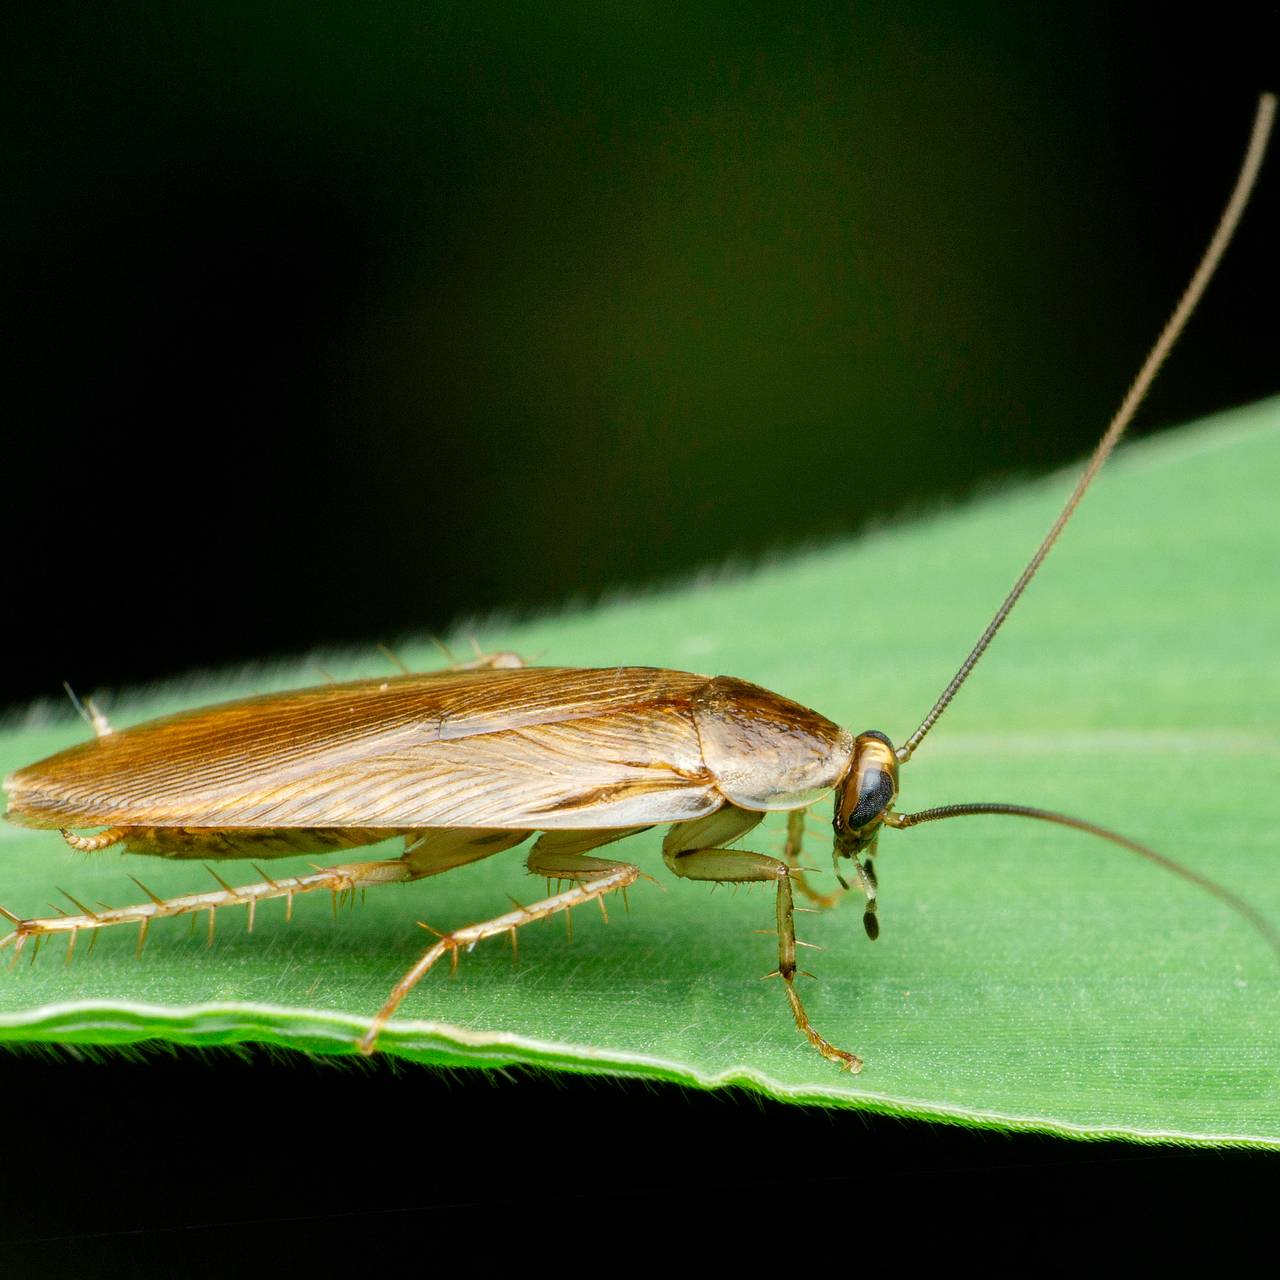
(473, 760)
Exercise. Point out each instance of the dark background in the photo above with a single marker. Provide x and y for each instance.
(329, 322)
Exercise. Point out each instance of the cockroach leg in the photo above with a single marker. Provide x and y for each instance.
(482, 661)
(221, 883)
(75, 902)
(485, 661)
(342, 877)
(501, 661)
(597, 877)
(555, 849)
(433, 852)
(394, 658)
(97, 718)
(92, 715)
(795, 842)
(739, 866)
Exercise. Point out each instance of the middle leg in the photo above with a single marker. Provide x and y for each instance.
(592, 877)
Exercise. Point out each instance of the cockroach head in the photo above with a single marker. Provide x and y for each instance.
(866, 793)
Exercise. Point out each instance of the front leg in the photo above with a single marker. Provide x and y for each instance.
(687, 856)
(795, 842)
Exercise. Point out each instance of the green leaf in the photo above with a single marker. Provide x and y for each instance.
(1026, 977)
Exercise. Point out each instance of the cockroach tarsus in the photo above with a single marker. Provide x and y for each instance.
(473, 760)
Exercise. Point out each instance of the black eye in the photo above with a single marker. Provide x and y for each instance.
(875, 791)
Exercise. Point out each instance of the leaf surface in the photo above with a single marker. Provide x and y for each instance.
(1026, 977)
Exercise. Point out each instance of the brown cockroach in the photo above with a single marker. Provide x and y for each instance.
(470, 761)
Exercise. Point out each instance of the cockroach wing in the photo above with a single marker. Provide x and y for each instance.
(535, 748)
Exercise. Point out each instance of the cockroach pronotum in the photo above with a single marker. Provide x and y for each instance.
(473, 760)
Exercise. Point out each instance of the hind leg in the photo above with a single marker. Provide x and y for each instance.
(427, 853)
(340, 879)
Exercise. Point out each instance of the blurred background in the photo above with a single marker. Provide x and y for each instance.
(324, 323)
(328, 323)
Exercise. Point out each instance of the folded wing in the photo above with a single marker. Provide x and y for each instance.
(540, 748)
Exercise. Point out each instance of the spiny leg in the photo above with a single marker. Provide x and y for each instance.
(795, 842)
(739, 866)
(427, 853)
(498, 660)
(90, 713)
(555, 857)
(340, 879)
(596, 876)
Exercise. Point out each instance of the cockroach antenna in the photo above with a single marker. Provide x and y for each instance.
(1123, 417)
(1138, 389)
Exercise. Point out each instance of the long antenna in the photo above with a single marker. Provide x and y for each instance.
(1236, 903)
(1128, 407)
